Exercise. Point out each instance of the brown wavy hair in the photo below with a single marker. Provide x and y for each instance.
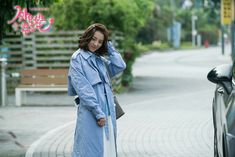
(89, 33)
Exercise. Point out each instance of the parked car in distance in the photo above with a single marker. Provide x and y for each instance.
(223, 109)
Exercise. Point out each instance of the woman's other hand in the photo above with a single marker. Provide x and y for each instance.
(101, 122)
(110, 47)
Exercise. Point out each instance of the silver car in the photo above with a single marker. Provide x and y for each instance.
(224, 110)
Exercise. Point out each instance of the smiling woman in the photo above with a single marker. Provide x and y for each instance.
(95, 34)
(88, 79)
(96, 41)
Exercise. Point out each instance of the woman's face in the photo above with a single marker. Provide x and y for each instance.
(96, 41)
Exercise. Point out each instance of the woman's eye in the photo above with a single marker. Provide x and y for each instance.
(100, 42)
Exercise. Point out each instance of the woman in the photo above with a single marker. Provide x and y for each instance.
(95, 133)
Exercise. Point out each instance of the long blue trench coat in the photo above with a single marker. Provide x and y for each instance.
(84, 80)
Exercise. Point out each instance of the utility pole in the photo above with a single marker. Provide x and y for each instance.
(172, 32)
(194, 32)
(227, 18)
(232, 29)
(233, 39)
(222, 38)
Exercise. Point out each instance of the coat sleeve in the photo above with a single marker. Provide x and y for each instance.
(83, 88)
(116, 64)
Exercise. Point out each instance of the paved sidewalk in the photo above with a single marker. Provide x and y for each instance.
(22, 126)
(43, 127)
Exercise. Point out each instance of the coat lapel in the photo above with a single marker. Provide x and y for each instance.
(89, 58)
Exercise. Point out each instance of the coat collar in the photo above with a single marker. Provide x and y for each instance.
(86, 54)
(90, 58)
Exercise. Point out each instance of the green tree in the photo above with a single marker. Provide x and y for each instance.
(156, 26)
(165, 12)
(206, 25)
(126, 16)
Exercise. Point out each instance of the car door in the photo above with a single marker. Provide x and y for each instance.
(230, 122)
(219, 108)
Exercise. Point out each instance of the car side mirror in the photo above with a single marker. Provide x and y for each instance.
(222, 75)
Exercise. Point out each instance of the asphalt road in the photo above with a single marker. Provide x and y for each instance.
(169, 109)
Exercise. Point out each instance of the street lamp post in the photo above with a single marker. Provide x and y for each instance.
(3, 95)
